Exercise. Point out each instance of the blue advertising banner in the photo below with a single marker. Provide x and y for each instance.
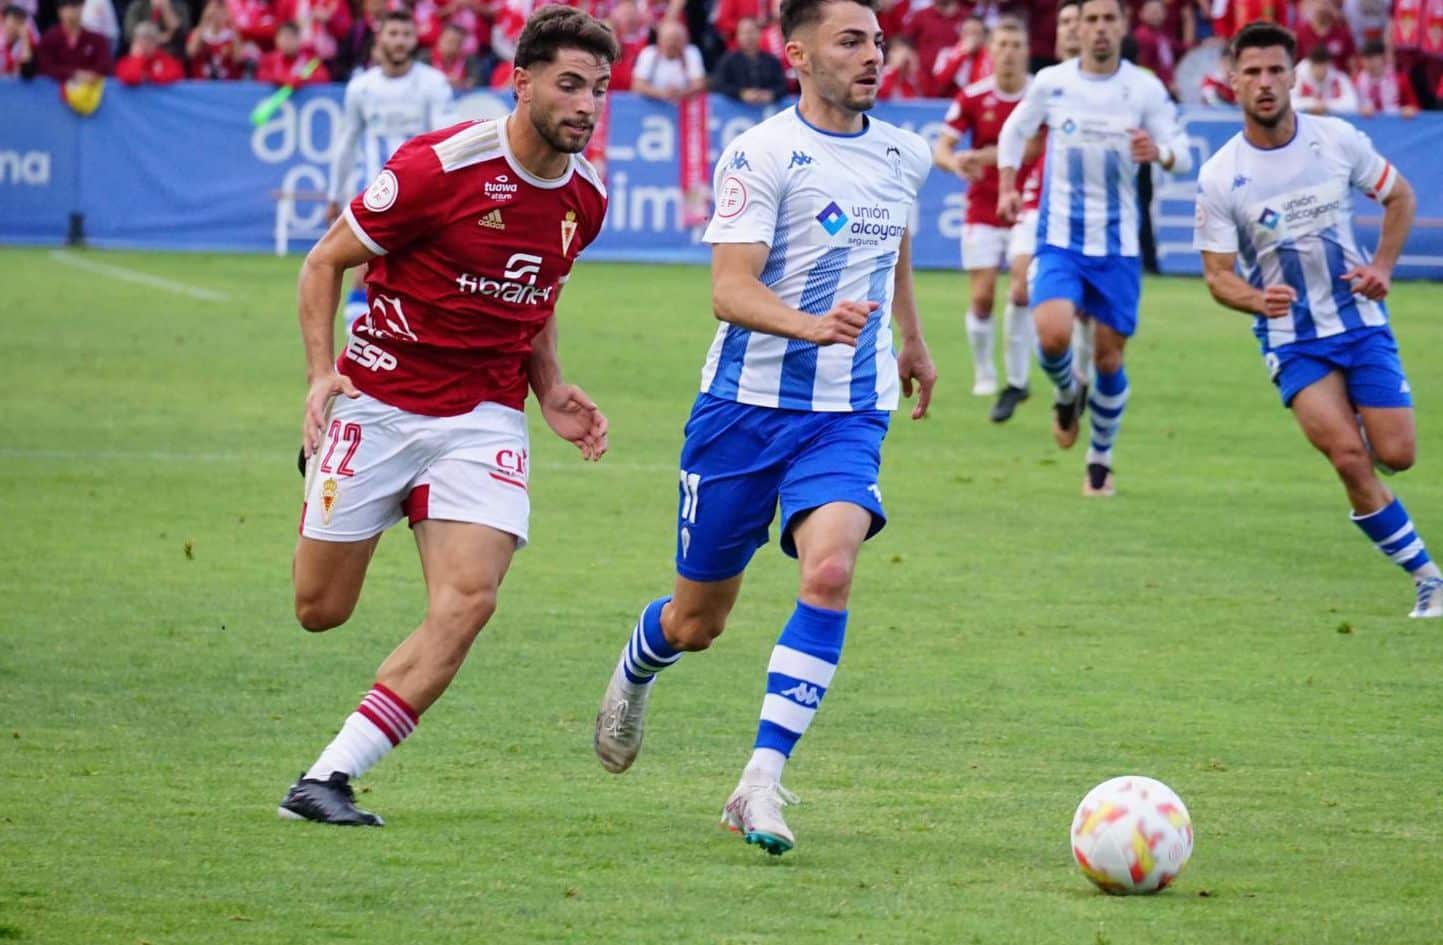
(181, 167)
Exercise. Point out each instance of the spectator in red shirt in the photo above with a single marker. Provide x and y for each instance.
(628, 25)
(214, 48)
(449, 57)
(902, 75)
(729, 13)
(892, 16)
(284, 64)
(17, 58)
(932, 29)
(171, 19)
(323, 23)
(959, 66)
(147, 62)
(256, 22)
(1229, 16)
(1323, 26)
(1382, 90)
(1156, 49)
(69, 51)
(1217, 85)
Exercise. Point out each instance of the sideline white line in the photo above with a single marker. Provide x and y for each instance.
(141, 278)
(168, 456)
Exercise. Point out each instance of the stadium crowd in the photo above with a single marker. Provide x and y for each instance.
(1367, 56)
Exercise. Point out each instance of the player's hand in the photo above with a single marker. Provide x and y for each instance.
(333, 210)
(1009, 206)
(914, 366)
(322, 390)
(1144, 149)
(842, 325)
(1278, 301)
(969, 165)
(1369, 281)
(575, 418)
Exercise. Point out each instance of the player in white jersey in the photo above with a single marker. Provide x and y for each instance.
(1278, 197)
(1104, 117)
(385, 106)
(811, 270)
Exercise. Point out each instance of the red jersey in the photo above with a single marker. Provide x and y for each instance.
(1338, 40)
(474, 250)
(981, 110)
(159, 68)
(1418, 25)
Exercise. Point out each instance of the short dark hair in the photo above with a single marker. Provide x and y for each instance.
(290, 26)
(1068, 3)
(398, 15)
(1319, 53)
(15, 9)
(1261, 34)
(555, 27)
(799, 13)
(1373, 47)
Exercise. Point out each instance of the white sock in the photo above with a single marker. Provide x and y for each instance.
(355, 750)
(1082, 347)
(766, 765)
(1021, 341)
(1429, 570)
(979, 334)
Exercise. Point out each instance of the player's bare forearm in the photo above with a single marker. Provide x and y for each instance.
(944, 154)
(1006, 180)
(543, 368)
(1399, 209)
(319, 292)
(904, 296)
(1232, 290)
(739, 298)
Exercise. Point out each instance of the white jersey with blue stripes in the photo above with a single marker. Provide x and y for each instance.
(1287, 213)
(832, 209)
(1089, 182)
(381, 113)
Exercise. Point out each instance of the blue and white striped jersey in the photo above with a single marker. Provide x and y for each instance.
(1089, 181)
(833, 209)
(382, 113)
(1287, 213)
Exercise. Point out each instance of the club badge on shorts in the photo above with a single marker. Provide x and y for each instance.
(568, 231)
(329, 492)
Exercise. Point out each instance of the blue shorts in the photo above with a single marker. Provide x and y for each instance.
(1106, 287)
(1368, 359)
(738, 460)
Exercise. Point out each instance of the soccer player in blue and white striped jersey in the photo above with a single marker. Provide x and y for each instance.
(1278, 196)
(811, 273)
(1104, 117)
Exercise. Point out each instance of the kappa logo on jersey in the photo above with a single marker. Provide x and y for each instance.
(493, 220)
(370, 356)
(502, 188)
(800, 159)
(739, 162)
(517, 284)
(1240, 181)
(568, 231)
(381, 195)
(804, 693)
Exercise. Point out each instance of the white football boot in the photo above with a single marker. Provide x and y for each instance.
(620, 721)
(1430, 598)
(755, 811)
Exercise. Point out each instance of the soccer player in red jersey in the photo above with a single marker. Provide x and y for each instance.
(470, 233)
(980, 109)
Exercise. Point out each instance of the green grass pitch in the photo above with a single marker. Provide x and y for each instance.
(1219, 625)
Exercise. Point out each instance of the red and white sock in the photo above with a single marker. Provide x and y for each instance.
(381, 722)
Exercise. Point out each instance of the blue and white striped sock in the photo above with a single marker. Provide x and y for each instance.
(1106, 402)
(1059, 368)
(647, 652)
(801, 669)
(356, 306)
(1391, 530)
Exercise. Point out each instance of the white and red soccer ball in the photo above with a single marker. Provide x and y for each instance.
(1131, 835)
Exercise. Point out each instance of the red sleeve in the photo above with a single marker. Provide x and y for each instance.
(405, 202)
(102, 62)
(130, 70)
(169, 70)
(959, 117)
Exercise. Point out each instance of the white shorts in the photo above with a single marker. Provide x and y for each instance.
(1023, 241)
(983, 246)
(378, 463)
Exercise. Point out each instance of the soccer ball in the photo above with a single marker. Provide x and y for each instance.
(1131, 835)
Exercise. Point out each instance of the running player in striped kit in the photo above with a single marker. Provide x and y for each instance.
(1104, 117)
(1279, 196)
(811, 270)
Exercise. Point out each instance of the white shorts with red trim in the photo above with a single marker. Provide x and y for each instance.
(1023, 241)
(378, 463)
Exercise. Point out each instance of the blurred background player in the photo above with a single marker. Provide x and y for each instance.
(1317, 295)
(1104, 117)
(385, 106)
(796, 394)
(432, 384)
(979, 111)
